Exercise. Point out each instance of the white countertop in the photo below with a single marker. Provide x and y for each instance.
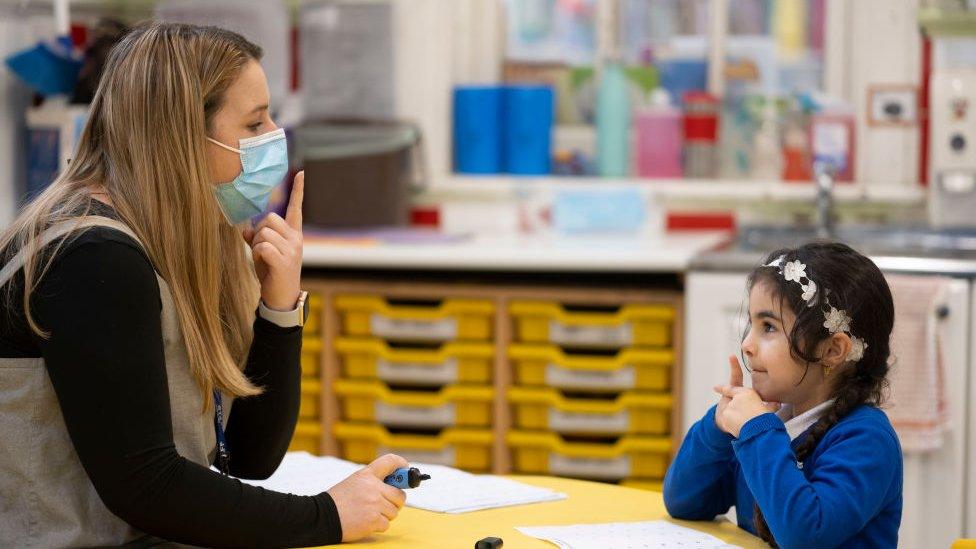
(611, 254)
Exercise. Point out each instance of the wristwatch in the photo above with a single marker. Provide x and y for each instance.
(287, 319)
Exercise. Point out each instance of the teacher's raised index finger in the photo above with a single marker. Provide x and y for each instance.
(294, 213)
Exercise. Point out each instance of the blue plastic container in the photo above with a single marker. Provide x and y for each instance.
(681, 75)
(478, 129)
(527, 129)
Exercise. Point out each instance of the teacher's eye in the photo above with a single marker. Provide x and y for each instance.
(254, 127)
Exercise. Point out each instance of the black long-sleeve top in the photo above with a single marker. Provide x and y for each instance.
(100, 302)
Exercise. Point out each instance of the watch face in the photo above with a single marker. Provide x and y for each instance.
(305, 309)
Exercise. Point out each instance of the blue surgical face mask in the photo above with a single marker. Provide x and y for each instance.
(265, 162)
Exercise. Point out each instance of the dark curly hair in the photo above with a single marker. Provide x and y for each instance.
(851, 282)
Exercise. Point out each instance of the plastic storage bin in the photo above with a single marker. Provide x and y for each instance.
(307, 437)
(630, 325)
(449, 320)
(313, 324)
(311, 356)
(629, 413)
(359, 174)
(644, 369)
(468, 449)
(310, 405)
(455, 362)
(451, 406)
(548, 453)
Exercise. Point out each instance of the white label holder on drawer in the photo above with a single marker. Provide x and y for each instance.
(438, 330)
(565, 378)
(607, 469)
(416, 373)
(415, 416)
(437, 457)
(590, 335)
(568, 422)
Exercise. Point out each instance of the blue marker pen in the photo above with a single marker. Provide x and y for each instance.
(405, 478)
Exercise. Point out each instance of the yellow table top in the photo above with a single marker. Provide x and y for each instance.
(587, 502)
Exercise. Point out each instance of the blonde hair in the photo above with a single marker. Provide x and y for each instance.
(144, 142)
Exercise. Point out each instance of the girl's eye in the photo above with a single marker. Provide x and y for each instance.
(254, 127)
(767, 327)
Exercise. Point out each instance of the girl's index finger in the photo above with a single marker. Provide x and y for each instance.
(735, 378)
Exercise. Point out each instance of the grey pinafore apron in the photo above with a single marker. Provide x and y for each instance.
(46, 498)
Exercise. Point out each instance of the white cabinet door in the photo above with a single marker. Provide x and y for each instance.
(716, 310)
(971, 476)
(934, 489)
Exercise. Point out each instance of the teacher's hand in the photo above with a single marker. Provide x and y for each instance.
(365, 503)
(276, 245)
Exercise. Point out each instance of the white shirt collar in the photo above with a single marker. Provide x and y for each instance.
(796, 426)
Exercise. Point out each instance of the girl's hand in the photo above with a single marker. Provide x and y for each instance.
(735, 380)
(365, 504)
(276, 245)
(743, 404)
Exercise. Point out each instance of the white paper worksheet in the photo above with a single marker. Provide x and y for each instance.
(624, 535)
(449, 490)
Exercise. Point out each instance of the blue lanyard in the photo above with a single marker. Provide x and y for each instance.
(223, 455)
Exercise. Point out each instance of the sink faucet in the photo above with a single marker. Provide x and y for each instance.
(824, 175)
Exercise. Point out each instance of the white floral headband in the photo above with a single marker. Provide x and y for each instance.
(835, 320)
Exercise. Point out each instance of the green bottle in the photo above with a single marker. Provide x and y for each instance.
(613, 121)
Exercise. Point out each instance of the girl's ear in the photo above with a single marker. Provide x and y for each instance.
(834, 350)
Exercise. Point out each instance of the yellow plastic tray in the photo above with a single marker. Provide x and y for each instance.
(631, 325)
(631, 368)
(311, 400)
(455, 362)
(311, 356)
(452, 319)
(630, 456)
(313, 323)
(451, 406)
(643, 484)
(468, 449)
(307, 437)
(629, 413)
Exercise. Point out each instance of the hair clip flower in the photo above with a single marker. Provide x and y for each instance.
(837, 321)
(858, 346)
(794, 271)
(809, 291)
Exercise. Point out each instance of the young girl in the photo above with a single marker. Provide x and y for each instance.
(805, 455)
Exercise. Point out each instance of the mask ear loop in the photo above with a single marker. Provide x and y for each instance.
(228, 147)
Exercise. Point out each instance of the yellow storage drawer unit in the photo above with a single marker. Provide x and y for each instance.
(630, 368)
(311, 355)
(313, 324)
(311, 400)
(455, 362)
(630, 325)
(467, 449)
(451, 406)
(448, 320)
(307, 437)
(548, 453)
(629, 413)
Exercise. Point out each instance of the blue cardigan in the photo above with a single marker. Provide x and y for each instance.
(847, 492)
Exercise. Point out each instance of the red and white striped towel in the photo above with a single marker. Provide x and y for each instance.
(917, 405)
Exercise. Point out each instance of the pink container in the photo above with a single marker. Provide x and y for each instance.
(659, 142)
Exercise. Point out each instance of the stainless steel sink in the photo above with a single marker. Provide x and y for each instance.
(905, 249)
(921, 241)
